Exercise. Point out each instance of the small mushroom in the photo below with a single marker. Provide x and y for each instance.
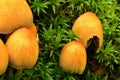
(33, 29)
(3, 58)
(88, 29)
(73, 57)
(23, 49)
(14, 14)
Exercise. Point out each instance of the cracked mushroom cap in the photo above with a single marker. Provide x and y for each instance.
(14, 14)
(88, 29)
(23, 49)
(3, 58)
(73, 57)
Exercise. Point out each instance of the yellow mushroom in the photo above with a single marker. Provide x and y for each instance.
(73, 57)
(23, 49)
(14, 14)
(88, 29)
(3, 58)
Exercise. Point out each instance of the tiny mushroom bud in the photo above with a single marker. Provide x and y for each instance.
(23, 49)
(33, 29)
(88, 29)
(73, 57)
(3, 58)
(14, 14)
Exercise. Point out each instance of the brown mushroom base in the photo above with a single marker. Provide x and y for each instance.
(92, 47)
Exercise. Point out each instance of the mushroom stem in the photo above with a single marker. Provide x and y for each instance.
(19, 71)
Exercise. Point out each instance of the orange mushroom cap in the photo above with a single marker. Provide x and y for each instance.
(73, 57)
(14, 14)
(3, 58)
(88, 26)
(23, 49)
(33, 29)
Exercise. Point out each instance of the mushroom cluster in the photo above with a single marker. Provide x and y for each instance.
(88, 29)
(20, 48)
